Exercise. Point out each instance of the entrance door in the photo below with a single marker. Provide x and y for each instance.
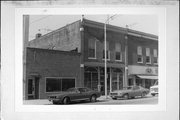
(117, 81)
(33, 88)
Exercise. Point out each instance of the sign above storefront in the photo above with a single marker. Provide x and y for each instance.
(134, 69)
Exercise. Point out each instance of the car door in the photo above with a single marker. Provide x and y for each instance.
(83, 93)
(137, 91)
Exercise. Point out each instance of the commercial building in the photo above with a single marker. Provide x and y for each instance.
(84, 40)
(50, 71)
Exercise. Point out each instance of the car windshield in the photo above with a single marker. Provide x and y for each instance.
(127, 88)
(71, 90)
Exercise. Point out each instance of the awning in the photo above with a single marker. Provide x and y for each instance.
(147, 77)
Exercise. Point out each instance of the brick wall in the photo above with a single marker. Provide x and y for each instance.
(112, 38)
(134, 42)
(52, 63)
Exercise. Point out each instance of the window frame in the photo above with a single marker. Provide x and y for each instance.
(94, 49)
(155, 57)
(142, 60)
(60, 78)
(120, 60)
(148, 56)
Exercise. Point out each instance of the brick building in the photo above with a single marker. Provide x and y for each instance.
(50, 71)
(87, 39)
(142, 60)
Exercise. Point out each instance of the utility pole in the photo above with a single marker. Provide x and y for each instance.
(105, 60)
(25, 44)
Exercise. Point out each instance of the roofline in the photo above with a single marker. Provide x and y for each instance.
(60, 51)
(100, 25)
(56, 30)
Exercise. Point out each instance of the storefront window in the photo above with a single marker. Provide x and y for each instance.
(59, 84)
(91, 78)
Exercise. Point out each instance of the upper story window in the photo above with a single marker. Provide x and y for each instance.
(155, 55)
(148, 56)
(92, 48)
(107, 51)
(118, 52)
(139, 55)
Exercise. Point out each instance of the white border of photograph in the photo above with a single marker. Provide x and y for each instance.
(19, 12)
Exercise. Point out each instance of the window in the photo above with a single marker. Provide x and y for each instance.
(148, 56)
(59, 84)
(107, 51)
(118, 52)
(155, 56)
(139, 55)
(92, 48)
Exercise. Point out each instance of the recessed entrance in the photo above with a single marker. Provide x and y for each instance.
(33, 88)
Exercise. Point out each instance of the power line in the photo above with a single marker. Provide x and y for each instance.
(40, 19)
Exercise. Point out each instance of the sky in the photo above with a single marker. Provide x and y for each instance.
(46, 23)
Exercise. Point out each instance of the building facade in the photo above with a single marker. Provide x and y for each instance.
(142, 60)
(86, 38)
(50, 71)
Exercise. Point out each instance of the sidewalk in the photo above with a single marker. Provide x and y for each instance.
(46, 101)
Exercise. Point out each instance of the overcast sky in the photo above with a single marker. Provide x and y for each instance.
(48, 23)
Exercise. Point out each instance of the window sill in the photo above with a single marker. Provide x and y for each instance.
(106, 59)
(140, 62)
(118, 60)
(92, 58)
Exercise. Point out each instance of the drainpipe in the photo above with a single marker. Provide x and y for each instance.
(126, 57)
(82, 51)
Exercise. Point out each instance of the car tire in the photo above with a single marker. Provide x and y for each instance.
(126, 96)
(133, 97)
(66, 100)
(93, 98)
(143, 94)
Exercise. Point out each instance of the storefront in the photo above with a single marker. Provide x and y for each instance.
(142, 76)
(94, 78)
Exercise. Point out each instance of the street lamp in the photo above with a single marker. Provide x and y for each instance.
(105, 60)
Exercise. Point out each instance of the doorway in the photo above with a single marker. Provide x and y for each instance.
(33, 88)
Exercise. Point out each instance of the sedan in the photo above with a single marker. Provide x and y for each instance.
(74, 94)
(129, 92)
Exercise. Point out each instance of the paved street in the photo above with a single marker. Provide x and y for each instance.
(102, 101)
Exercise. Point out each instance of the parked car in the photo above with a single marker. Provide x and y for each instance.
(129, 92)
(154, 89)
(74, 94)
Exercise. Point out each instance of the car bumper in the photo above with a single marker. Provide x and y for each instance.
(116, 96)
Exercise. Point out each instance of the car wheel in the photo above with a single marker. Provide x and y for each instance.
(66, 100)
(132, 97)
(93, 98)
(143, 94)
(126, 96)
